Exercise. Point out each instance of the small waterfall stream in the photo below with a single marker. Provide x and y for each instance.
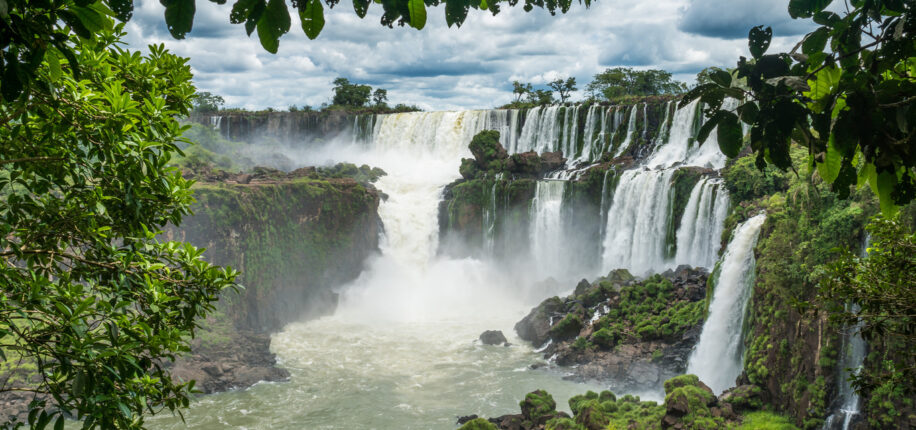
(702, 224)
(546, 233)
(717, 357)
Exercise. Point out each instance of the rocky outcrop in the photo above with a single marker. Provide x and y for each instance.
(493, 337)
(630, 333)
(243, 360)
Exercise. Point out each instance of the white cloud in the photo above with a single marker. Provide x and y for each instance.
(448, 68)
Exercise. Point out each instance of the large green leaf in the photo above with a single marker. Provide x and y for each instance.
(417, 13)
(721, 77)
(886, 181)
(829, 169)
(729, 134)
(361, 7)
(91, 19)
(456, 11)
(123, 9)
(273, 24)
(758, 40)
(311, 13)
(179, 16)
(815, 41)
(806, 8)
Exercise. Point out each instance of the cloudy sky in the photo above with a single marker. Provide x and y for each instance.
(441, 68)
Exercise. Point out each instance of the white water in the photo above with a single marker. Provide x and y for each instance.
(637, 222)
(631, 126)
(701, 226)
(717, 358)
(547, 238)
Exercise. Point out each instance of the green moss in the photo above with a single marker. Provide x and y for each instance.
(478, 424)
(764, 420)
(538, 404)
(567, 328)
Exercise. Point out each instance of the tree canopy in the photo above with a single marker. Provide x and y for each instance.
(619, 82)
(845, 92)
(563, 88)
(91, 297)
(350, 94)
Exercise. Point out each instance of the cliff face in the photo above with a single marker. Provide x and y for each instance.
(292, 240)
(293, 128)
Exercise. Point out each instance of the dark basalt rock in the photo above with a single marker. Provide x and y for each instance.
(493, 337)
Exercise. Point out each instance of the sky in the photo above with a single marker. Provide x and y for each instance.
(471, 67)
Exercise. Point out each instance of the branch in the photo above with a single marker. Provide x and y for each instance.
(30, 159)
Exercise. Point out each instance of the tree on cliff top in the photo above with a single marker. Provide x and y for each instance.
(89, 297)
(619, 82)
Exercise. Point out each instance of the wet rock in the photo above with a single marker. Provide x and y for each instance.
(535, 327)
(493, 337)
(238, 363)
(582, 287)
(551, 161)
(464, 419)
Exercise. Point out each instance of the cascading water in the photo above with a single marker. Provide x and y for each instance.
(631, 128)
(546, 233)
(637, 222)
(717, 357)
(702, 224)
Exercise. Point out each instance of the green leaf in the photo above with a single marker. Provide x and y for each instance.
(815, 41)
(696, 93)
(721, 77)
(11, 85)
(729, 134)
(456, 11)
(758, 40)
(274, 23)
(806, 8)
(53, 64)
(179, 16)
(59, 424)
(123, 9)
(4, 9)
(886, 181)
(361, 7)
(829, 169)
(311, 13)
(91, 19)
(748, 112)
(417, 13)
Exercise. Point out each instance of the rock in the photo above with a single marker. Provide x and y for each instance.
(478, 424)
(538, 407)
(525, 163)
(551, 161)
(582, 287)
(620, 277)
(535, 327)
(743, 397)
(469, 169)
(464, 419)
(493, 337)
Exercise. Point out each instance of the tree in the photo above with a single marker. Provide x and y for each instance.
(845, 92)
(881, 286)
(520, 90)
(563, 88)
(540, 97)
(90, 296)
(618, 82)
(380, 96)
(206, 102)
(349, 94)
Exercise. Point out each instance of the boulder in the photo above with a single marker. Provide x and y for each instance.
(535, 327)
(526, 163)
(493, 337)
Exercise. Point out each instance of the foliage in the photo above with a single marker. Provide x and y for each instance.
(764, 420)
(349, 94)
(881, 286)
(89, 294)
(645, 311)
(380, 96)
(538, 404)
(207, 102)
(520, 90)
(846, 96)
(563, 88)
(620, 82)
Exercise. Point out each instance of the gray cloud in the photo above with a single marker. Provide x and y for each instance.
(732, 19)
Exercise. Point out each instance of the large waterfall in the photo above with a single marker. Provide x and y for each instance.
(717, 358)
(400, 351)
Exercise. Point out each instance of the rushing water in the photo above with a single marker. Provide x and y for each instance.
(401, 350)
(717, 358)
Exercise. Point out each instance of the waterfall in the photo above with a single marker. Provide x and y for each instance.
(631, 126)
(546, 229)
(591, 134)
(215, 122)
(702, 224)
(489, 220)
(637, 222)
(717, 357)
